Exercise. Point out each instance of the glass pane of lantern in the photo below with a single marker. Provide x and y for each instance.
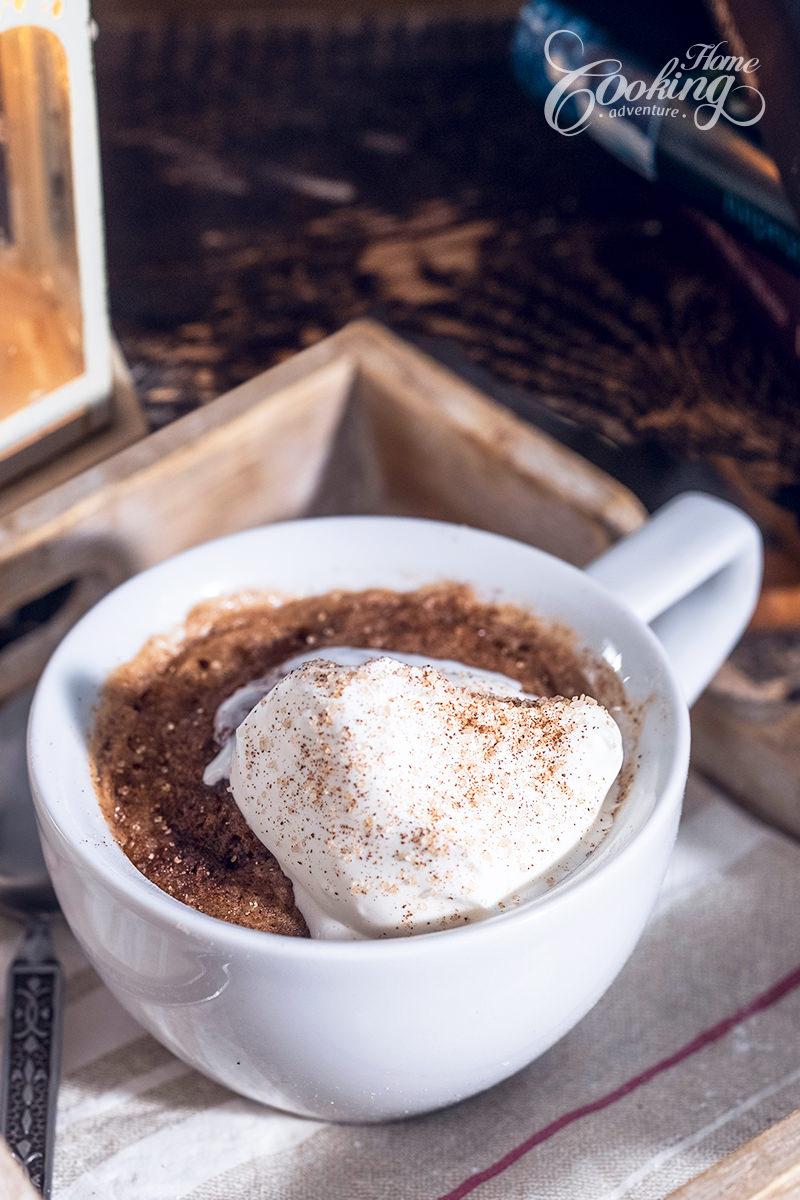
(40, 316)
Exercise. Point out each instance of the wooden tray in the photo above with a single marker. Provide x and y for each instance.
(360, 423)
(751, 747)
(766, 1168)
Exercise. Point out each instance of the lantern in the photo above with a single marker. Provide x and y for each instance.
(55, 345)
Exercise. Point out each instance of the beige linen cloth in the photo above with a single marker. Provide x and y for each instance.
(693, 1051)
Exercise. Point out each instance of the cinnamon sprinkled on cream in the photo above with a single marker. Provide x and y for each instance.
(399, 802)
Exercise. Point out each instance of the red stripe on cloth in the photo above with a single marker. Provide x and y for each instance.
(771, 996)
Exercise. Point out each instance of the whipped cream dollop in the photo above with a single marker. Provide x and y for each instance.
(235, 707)
(398, 800)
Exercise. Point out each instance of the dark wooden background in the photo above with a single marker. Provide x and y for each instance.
(270, 177)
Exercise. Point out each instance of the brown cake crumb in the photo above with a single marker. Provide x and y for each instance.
(153, 733)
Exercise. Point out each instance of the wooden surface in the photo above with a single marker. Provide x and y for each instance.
(768, 1168)
(265, 185)
(280, 11)
(359, 423)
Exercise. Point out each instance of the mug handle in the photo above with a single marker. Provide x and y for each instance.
(693, 572)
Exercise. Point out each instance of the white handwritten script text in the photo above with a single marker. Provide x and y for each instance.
(704, 76)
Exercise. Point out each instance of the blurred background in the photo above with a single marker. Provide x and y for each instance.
(271, 172)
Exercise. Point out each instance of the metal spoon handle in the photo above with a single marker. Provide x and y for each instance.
(32, 1054)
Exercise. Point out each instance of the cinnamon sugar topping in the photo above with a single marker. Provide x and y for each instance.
(154, 732)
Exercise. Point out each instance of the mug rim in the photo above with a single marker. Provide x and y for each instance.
(139, 892)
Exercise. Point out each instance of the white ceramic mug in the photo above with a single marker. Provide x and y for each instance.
(373, 1030)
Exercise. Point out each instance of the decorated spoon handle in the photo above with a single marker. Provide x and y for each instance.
(32, 1054)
